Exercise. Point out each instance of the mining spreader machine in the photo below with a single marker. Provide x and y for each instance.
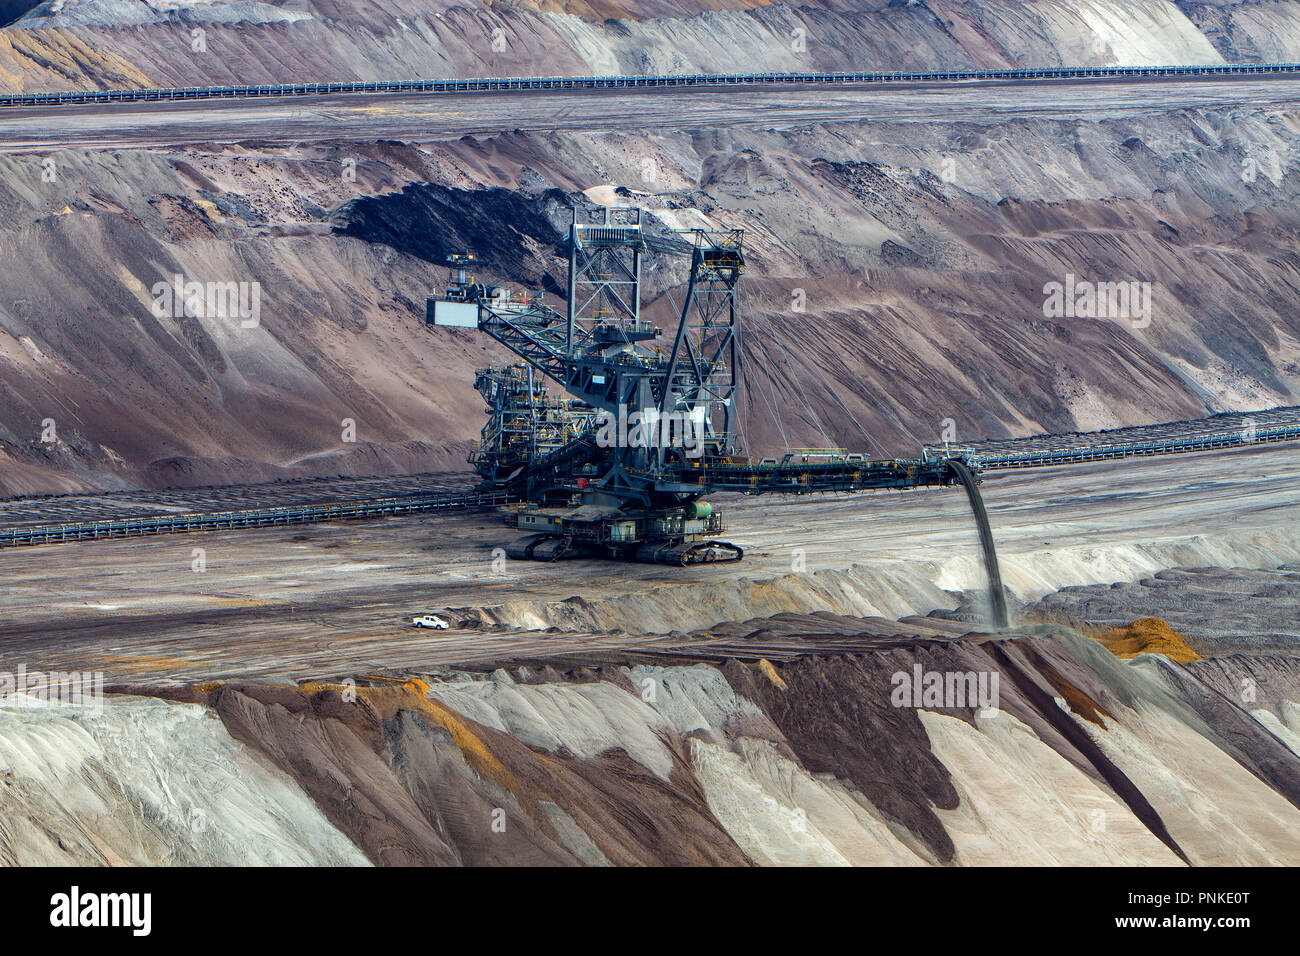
(620, 468)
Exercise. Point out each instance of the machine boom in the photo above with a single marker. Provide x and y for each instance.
(620, 468)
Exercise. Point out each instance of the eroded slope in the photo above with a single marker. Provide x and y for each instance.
(1077, 758)
(897, 283)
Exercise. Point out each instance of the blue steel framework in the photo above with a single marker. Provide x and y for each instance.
(425, 504)
(702, 80)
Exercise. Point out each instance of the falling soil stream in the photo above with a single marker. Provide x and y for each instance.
(997, 597)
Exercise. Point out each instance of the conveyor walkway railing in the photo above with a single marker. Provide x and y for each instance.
(699, 80)
(251, 518)
(1076, 454)
(786, 478)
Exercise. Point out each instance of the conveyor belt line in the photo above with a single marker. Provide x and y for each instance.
(426, 504)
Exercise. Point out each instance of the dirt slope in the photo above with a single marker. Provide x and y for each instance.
(1063, 755)
(919, 254)
(76, 43)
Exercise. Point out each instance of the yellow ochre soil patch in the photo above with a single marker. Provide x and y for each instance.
(1150, 635)
(387, 700)
(141, 663)
(770, 673)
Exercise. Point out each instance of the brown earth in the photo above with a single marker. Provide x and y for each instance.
(919, 254)
(423, 783)
(898, 272)
(101, 43)
(407, 775)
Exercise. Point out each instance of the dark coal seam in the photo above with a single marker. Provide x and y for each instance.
(1229, 745)
(1065, 725)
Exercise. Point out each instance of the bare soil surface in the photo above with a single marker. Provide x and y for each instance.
(303, 602)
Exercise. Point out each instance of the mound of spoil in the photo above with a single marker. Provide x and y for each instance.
(1150, 635)
(1043, 748)
(1213, 610)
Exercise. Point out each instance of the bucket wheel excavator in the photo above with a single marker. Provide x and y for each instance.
(620, 466)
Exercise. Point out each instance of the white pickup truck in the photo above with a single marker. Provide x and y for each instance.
(430, 620)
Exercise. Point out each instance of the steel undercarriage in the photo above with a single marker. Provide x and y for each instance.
(619, 468)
